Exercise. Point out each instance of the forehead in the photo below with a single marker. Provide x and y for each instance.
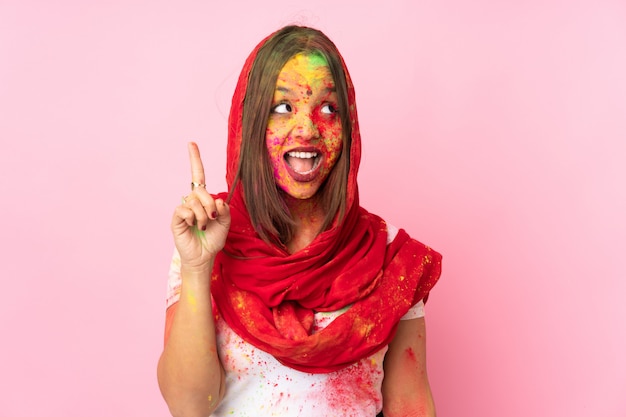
(306, 68)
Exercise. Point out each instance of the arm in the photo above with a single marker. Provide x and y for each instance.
(189, 372)
(406, 391)
(190, 375)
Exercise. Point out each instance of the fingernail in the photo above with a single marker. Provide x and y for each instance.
(203, 227)
(214, 215)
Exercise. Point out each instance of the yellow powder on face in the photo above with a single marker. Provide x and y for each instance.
(306, 98)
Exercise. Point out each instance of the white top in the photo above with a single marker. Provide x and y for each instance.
(257, 385)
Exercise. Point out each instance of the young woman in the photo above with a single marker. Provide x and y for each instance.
(286, 298)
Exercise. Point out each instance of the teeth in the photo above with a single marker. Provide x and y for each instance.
(303, 155)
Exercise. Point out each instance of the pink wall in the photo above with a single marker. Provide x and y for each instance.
(496, 133)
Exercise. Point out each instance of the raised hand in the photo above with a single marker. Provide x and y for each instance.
(200, 223)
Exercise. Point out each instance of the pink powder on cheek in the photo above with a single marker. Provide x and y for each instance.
(273, 138)
(273, 141)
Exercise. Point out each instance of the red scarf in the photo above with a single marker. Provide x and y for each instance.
(268, 296)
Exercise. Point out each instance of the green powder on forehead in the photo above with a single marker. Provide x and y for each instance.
(316, 58)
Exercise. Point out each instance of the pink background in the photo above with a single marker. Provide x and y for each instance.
(493, 131)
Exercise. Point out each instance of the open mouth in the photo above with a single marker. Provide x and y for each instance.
(302, 162)
(303, 165)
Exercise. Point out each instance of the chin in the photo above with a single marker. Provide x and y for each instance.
(300, 194)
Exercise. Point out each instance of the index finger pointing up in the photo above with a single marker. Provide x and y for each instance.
(197, 169)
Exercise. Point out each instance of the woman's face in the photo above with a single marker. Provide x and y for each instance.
(303, 135)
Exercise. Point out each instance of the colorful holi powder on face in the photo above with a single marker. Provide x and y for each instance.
(304, 135)
(315, 60)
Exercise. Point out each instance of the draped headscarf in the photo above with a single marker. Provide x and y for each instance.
(269, 296)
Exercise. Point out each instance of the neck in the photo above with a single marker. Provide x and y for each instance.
(308, 216)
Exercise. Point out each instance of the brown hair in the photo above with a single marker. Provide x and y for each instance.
(268, 212)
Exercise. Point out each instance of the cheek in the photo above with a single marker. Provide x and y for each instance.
(327, 127)
(331, 132)
(333, 150)
(273, 143)
(271, 135)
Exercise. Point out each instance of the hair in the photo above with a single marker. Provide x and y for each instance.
(268, 212)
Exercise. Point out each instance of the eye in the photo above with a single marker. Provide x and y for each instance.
(282, 108)
(329, 109)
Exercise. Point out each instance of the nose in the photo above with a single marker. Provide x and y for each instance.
(306, 128)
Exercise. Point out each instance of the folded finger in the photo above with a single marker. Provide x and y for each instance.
(183, 214)
(199, 211)
(207, 201)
